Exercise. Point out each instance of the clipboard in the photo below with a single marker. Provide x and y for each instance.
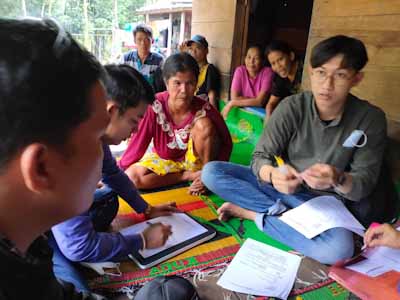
(187, 233)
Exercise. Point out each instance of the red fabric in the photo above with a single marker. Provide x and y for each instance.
(149, 129)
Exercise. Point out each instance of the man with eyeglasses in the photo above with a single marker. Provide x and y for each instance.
(332, 143)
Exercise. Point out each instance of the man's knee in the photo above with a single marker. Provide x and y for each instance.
(210, 173)
(339, 248)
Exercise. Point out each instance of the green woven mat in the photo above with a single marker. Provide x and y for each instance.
(245, 128)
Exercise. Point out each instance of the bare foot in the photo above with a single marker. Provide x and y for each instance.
(228, 210)
(197, 187)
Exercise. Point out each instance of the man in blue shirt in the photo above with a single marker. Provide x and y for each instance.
(146, 62)
(84, 238)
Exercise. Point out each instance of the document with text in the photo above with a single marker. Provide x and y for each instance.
(259, 269)
(320, 214)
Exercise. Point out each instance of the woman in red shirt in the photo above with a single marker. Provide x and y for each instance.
(184, 133)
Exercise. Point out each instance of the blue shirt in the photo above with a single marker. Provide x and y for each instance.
(150, 68)
(78, 240)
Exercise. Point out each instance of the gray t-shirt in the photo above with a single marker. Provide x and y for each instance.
(296, 132)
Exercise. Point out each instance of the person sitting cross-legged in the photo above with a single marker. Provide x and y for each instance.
(184, 133)
(84, 238)
(332, 143)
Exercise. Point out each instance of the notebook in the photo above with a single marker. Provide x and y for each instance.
(382, 287)
(186, 233)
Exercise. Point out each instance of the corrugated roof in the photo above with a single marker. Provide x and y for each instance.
(166, 5)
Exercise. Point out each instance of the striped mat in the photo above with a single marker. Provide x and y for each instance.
(208, 258)
(216, 253)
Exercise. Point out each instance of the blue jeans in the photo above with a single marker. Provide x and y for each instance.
(237, 184)
(102, 212)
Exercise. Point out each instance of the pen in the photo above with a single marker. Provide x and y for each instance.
(373, 225)
(281, 164)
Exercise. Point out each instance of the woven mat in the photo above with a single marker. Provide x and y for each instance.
(204, 264)
(216, 253)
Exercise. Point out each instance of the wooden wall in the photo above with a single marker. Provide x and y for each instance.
(216, 21)
(377, 24)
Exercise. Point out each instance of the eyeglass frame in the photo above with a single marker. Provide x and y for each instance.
(338, 81)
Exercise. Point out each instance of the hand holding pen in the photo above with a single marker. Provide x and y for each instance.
(284, 177)
(382, 235)
(156, 235)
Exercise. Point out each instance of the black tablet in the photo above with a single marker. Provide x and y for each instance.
(187, 233)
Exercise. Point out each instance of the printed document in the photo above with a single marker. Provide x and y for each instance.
(259, 269)
(183, 228)
(378, 260)
(320, 214)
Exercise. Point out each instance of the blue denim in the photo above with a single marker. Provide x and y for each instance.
(102, 212)
(237, 184)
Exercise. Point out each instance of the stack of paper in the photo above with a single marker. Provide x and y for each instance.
(378, 260)
(259, 269)
(320, 214)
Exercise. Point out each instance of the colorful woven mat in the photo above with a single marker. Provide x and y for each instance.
(214, 254)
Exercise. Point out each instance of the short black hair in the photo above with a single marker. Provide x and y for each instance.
(353, 50)
(143, 28)
(127, 87)
(278, 45)
(259, 49)
(180, 62)
(45, 80)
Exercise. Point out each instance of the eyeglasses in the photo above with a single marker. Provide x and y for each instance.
(339, 78)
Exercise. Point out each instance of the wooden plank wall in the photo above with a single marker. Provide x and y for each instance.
(377, 24)
(216, 21)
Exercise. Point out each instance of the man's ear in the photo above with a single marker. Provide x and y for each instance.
(357, 78)
(292, 56)
(112, 108)
(34, 165)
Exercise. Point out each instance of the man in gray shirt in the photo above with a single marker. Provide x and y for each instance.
(331, 143)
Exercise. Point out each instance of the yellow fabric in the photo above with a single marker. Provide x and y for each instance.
(202, 77)
(162, 167)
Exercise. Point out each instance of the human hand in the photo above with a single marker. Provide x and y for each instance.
(183, 47)
(226, 110)
(156, 235)
(162, 210)
(321, 176)
(100, 184)
(285, 179)
(383, 235)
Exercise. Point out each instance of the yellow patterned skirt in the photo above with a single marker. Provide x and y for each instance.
(162, 167)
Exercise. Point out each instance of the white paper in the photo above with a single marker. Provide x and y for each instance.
(259, 269)
(183, 228)
(369, 267)
(378, 260)
(320, 214)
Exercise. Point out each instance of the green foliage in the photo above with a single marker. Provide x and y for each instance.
(70, 12)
